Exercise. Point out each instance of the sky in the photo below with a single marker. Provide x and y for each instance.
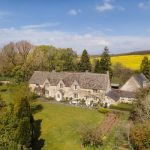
(121, 25)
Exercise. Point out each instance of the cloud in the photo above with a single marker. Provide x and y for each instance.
(4, 14)
(108, 6)
(44, 25)
(93, 42)
(105, 7)
(144, 5)
(74, 12)
(141, 5)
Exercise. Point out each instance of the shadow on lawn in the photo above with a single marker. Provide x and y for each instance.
(38, 143)
(36, 108)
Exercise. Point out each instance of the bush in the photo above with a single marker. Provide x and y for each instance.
(140, 136)
(104, 110)
(122, 106)
(3, 88)
(50, 98)
(90, 137)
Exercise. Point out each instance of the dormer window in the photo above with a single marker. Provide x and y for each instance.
(61, 85)
(46, 85)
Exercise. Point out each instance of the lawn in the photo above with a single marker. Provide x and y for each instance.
(130, 61)
(123, 107)
(60, 125)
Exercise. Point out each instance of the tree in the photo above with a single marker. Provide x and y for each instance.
(140, 131)
(97, 66)
(23, 48)
(121, 74)
(84, 63)
(19, 74)
(8, 58)
(105, 62)
(142, 107)
(17, 123)
(68, 56)
(24, 131)
(145, 67)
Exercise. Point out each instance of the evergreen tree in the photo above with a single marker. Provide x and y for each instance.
(145, 67)
(97, 66)
(84, 63)
(17, 124)
(105, 62)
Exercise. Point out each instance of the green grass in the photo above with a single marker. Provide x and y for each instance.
(4, 78)
(123, 106)
(60, 125)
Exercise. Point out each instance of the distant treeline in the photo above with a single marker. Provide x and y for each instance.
(142, 52)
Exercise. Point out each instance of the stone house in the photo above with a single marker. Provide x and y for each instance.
(118, 96)
(127, 93)
(135, 83)
(91, 87)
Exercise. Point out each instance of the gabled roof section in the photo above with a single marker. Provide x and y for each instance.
(140, 79)
(113, 95)
(85, 80)
(117, 94)
(39, 77)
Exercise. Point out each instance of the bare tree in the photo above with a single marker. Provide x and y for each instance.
(9, 53)
(23, 48)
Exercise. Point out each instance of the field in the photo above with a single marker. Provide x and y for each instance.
(130, 61)
(60, 125)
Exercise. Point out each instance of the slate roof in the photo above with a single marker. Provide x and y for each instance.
(113, 95)
(117, 94)
(140, 78)
(85, 80)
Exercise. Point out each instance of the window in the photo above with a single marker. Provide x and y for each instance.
(46, 85)
(75, 95)
(37, 84)
(75, 87)
(46, 92)
(95, 90)
(61, 85)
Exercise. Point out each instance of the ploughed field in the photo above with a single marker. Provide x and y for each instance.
(130, 61)
(59, 125)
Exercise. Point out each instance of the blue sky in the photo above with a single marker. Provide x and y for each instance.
(122, 25)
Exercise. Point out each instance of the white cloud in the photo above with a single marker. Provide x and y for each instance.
(104, 7)
(35, 26)
(141, 5)
(108, 6)
(3, 15)
(74, 12)
(93, 42)
(144, 5)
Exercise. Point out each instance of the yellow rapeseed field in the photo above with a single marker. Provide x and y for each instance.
(130, 61)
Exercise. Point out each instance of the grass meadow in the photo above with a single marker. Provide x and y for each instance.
(60, 125)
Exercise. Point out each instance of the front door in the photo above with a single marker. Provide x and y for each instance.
(58, 96)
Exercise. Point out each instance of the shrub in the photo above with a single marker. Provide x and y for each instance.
(104, 110)
(3, 88)
(140, 136)
(90, 137)
(50, 98)
(123, 107)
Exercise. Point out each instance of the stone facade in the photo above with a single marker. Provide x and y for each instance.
(91, 87)
(135, 83)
